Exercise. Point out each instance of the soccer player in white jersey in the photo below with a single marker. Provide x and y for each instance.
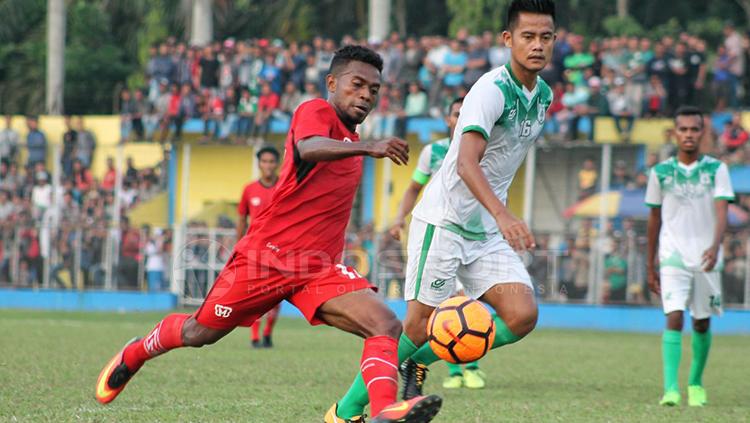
(688, 195)
(430, 160)
(461, 228)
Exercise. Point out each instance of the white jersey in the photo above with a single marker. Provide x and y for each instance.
(510, 118)
(686, 195)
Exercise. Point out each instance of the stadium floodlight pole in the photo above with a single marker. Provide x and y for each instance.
(379, 19)
(603, 220)
(747, 274)
(202, 28)
(622, 8)
(55, 56)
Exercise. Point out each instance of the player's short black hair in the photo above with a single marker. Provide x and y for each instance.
(689, 111)
(457, 100)
(346, 54)
(268, 149)
(542, 7)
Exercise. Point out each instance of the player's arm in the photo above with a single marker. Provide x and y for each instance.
(711, 254)
(419, 178)
(470, 153)
(653, 200)
(322, 149)
(722, 195)
(407, 205)
(242, 225)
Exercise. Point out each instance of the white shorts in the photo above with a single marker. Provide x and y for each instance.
(700, 292)
(438, 257)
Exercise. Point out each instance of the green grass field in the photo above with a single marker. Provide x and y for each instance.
(49, 362)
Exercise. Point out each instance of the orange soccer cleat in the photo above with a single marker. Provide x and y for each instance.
(113, 377)
(420, 409)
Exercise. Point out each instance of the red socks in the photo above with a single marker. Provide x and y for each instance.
(255, 331)
(165, 336)
(270, 321)
(380, 371)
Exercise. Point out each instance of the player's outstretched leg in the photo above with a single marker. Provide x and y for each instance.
(701, 344)
(175, 331)
(362, 313)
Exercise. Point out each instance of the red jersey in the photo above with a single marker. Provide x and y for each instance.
(303, 227)
(255, 197)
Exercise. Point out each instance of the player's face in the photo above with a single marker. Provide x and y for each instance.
(452, 119)
(688, 131)
(268, 165)
(354, 91)
(531, 40)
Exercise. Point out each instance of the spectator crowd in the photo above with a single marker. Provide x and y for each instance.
(64, 224)
(238, 87)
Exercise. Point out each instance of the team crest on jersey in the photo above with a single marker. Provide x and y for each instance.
(512, 114)
(222, 311)
(255, 201)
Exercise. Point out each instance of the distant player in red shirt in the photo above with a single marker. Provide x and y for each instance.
(255, 197)
(293, 250)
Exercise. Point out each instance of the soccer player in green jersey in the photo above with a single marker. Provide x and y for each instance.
(688, 195)
(430, 159)
(461, 228)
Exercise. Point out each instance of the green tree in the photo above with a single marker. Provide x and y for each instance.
(477, 15)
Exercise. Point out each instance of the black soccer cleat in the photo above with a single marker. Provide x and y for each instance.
(267, 342)
(413, 376)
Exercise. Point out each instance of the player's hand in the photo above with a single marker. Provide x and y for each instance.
(654, 282)
(709, 258)
(394, 148)
(516, 232)
(396, 229)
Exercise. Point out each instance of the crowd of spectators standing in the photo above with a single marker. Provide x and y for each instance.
(33, 228)
(236, 87)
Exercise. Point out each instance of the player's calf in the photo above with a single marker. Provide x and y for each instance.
(196, 335)
(415, 323)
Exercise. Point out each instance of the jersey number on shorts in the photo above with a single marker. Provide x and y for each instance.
(348, 272)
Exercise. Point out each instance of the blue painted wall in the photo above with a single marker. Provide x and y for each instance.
(86, 300)
(551, 316)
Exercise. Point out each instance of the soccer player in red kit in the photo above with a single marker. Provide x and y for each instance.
(256, 196)
(293, 250)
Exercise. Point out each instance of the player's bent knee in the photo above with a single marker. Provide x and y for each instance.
(522, 323)
(385, 324)
(415, 328)
(701, 326)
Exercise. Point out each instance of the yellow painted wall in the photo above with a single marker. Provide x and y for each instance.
(217, 174)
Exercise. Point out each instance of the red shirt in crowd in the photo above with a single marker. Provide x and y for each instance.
(108, 182)
(268, 102)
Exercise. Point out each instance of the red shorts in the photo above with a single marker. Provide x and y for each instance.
(244, 291)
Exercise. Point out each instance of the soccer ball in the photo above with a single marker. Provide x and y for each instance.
(461, 330)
